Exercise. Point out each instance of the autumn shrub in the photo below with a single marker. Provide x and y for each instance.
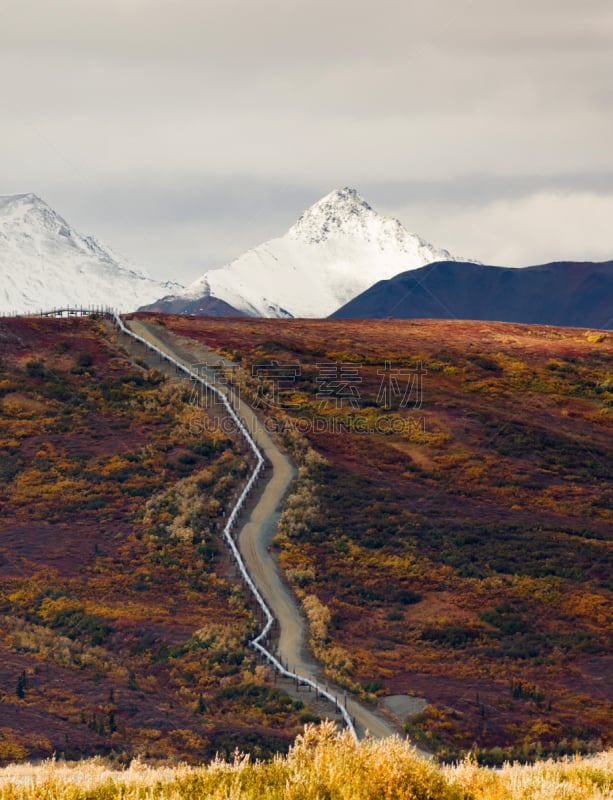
(483, 362)
(35, 369)
(321, 764)
(84, 359)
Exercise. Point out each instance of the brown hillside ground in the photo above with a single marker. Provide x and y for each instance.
(122, 624)
(459, 530)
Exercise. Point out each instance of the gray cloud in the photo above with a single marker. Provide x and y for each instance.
(185, 131)
(479, 190)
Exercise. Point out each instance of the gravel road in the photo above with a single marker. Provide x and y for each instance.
(257, 533)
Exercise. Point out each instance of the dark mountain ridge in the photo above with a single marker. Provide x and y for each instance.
(206, 306)
(561, 293)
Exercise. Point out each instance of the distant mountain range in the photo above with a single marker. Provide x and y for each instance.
(338, 248)
(340, 259)
(45, 263)
(562, 293)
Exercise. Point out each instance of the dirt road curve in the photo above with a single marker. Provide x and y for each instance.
(258, 532)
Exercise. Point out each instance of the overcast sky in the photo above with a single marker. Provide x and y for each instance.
(183, 132)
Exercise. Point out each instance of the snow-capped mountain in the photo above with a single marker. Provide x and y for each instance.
(337, 249)
(44, 264)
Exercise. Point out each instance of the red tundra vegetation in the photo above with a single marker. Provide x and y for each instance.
(122, 625)
(450, 534)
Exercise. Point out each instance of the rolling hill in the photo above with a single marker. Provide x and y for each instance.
(562, 293)
(450, 533)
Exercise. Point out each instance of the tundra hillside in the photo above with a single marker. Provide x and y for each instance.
(122, 625)
(450, 535)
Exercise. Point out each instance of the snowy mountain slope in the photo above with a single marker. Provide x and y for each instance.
(44, 263)
(337, 249)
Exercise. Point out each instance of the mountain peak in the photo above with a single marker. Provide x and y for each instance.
(345, 215)
(44, 262)
(339, 247)
(343, 212)
(29, 213)
(29, 197)
(345, 198)
(21, 201)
